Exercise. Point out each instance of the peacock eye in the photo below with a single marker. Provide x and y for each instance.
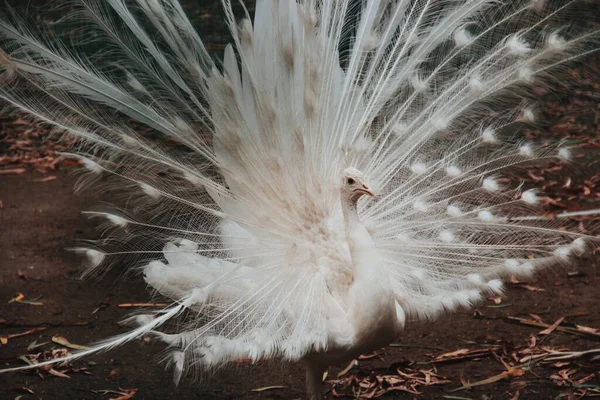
(350, 181)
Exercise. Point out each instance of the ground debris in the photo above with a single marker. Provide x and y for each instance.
(510, 373)
(524, 363)
(572, 329)
(4, 339)
(267, 388)
(135, 305)
(375, 385)
(25, 145)
(65, 342)
(462, 354)
(60, 369)
(123, 394)
(20, 298)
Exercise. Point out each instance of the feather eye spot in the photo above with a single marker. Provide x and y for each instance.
(475, 279)
(447, 236)
(400, 128)
(419, 168)
(421, 206)
(150, 191)
(491, 185)
(419, 85)
(526, 74)
(462, 37)
(527, 116)
(556, 42)
(454, 211)
(496, 286)
(564, 154)
(517, 45)
(530, 197)
(489, 136)
(91, 165)
(486, 216)
(477, 85)
(526, 150)
(453, 171)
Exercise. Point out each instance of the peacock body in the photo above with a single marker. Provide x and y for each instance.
(346, 170)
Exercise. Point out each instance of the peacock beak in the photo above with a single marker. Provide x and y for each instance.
(366, 190)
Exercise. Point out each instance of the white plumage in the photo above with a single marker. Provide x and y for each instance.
(316, 104)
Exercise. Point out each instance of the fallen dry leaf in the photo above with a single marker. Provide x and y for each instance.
(126, 394)
(511, 373)
(552, 327)
(264, 389)
(54, 372)
(64, 342)
(529, 287)
(12, 171)
(575, 330)
(347, 369)
(129, 305)
(464, 353)
(20, 298)
(46, 179)
(23, 389)
(4, 339)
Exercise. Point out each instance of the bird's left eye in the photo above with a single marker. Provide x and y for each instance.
(350, 181)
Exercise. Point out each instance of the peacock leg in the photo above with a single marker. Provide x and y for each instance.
(314, 380)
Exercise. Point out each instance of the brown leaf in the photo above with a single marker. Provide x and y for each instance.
(529, 287)
(12, 171)
(347, 369)
(129, 305)
(552, 327)
(23, 389)
(126, 394)
(20, 298)
(264, 389)
(46, 179)
(536, 318)
(511, 373)
(54, 372)
(64, 342)
(587, 329)
(560, 364)
(29, 332)
(368, 356)
(463, 353)
(577, 330)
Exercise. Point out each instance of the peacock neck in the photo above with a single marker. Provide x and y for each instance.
(362, 249)
(350, 209)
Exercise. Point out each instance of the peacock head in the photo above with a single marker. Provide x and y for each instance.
(354, 185)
